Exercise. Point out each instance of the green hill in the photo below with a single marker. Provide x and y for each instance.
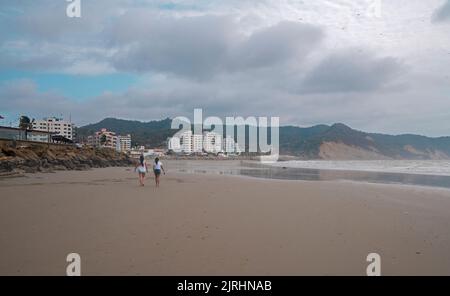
(317, 142)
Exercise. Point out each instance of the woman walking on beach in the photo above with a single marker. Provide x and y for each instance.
(157, 167)
(141, 168)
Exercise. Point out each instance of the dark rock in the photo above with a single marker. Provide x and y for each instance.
(30, 170)
(45, 170)
(59, 168)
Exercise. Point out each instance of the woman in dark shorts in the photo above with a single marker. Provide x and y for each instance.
(141, 168)
(157, 168)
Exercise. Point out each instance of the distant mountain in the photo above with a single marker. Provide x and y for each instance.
(342, 142)
(317, 142)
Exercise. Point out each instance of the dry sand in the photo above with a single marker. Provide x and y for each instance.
(219, 225)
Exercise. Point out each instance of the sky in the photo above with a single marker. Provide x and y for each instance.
(375, 65)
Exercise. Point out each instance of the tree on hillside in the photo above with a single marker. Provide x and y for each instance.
(26, 124)
(103, 140)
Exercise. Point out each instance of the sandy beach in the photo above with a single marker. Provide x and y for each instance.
(219, 225)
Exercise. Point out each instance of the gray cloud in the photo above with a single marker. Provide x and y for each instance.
(23, 95)
(283, 42)
(192, 46)
(352, 71)
(442, 13)
(54, 57)
(200, 47)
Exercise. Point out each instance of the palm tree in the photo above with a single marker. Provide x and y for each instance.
(103, 140)
(26, 124)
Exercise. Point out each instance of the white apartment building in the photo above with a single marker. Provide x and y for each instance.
(124, 143)
(212, 142)
(55, 125)
(230, 146)
(173, 144)
(186, 142)
(197, 143)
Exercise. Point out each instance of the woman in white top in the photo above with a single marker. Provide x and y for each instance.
(141, 168)
(157, 167)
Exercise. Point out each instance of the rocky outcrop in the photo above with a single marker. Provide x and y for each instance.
(19, 158)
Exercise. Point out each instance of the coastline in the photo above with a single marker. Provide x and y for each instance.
(219, 225)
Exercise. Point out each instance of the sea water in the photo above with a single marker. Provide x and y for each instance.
(422, 167)
(405, 172)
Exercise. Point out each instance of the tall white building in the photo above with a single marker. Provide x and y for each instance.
(212, 142)
(197, 143)
(124, 143)
(186, 142)
(55, 125)
(230, 146)
(173, 144)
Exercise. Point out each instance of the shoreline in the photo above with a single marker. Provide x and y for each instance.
(353, 182)
(17, 175)
(268, 172)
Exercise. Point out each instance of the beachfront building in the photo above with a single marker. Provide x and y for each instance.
(209, 142)
(57, 126)
(197, 143)
(103, 139)
(230, 146)
(19, 134)
(186, 142)
(136, 152)
(124, 143)
(155, 152)
(173, 144)
(212, 142)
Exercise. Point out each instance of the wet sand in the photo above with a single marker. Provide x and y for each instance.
(219, 225)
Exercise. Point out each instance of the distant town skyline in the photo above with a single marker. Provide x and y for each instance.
(308, 62)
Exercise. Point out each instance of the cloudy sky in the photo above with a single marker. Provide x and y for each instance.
(376, 65)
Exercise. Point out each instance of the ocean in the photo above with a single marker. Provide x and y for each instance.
(431, 173)
(421, 167)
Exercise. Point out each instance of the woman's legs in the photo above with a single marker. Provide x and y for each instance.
(157, 180)
(141, 178)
